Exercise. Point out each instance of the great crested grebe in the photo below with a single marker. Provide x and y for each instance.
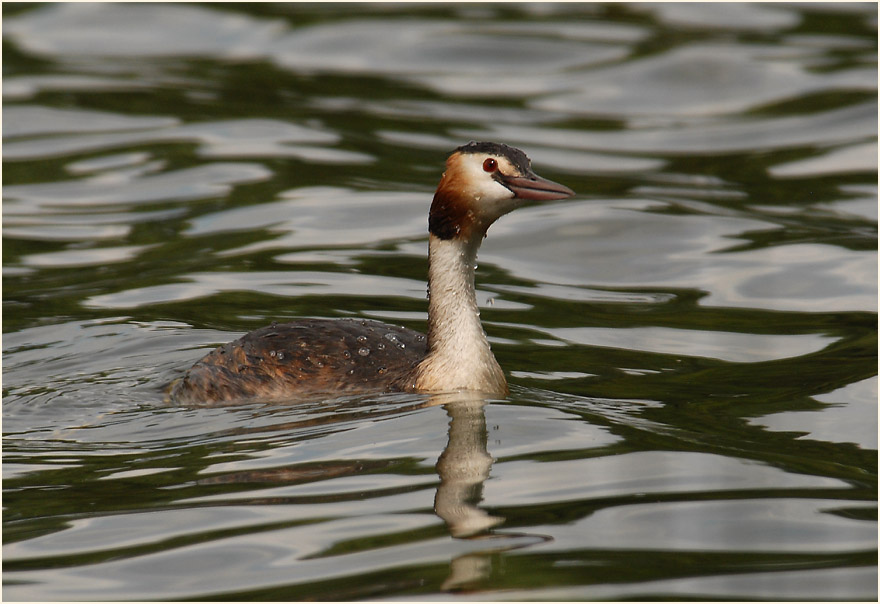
(482, 182)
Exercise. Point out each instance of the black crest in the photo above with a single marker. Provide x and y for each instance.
(514, 155)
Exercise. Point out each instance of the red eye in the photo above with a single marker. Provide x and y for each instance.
(490, 165)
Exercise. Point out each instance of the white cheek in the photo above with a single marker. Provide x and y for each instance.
(493, 199)
(489, 191)
(499, 203)
(482, 186)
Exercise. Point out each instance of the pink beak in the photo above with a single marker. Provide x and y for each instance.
(534, 188)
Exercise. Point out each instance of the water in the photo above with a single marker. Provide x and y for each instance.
(691, 339)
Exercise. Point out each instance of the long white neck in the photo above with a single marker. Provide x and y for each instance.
(459, 357)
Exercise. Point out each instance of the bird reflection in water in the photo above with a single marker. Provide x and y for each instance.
(463, 467)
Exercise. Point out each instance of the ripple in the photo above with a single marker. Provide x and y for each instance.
(726, 16)
(669, 251)
(200, 285)
(526, 482)
(320, 216)
(726, 346)
(20, 88)
(224, 138)
(209, 180)
(744, 135)
(744, 526)
(32, 120)
(845, 160)
(440, 55)
(137, 31)
(92, 257)
(843, 422)
(698, 80)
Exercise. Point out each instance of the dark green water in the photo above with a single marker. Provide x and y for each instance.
(691, 340)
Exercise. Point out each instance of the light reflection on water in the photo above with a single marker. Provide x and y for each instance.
(691, 339)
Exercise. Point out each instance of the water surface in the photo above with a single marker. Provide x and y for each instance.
(691, 340)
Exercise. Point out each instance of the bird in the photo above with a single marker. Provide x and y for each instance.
(312, 357)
